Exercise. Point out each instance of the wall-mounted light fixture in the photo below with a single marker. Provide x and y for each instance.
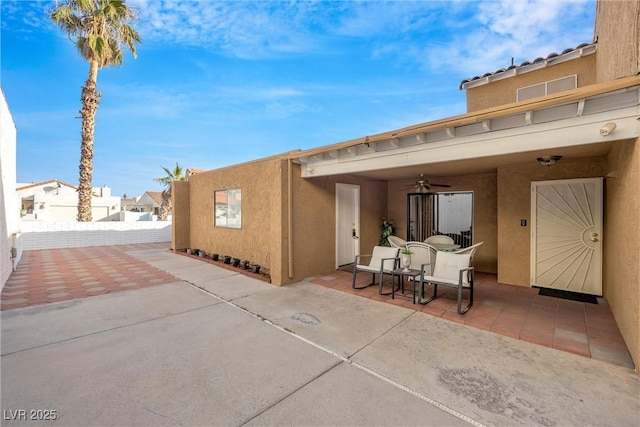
(607, 129)
(548, 160)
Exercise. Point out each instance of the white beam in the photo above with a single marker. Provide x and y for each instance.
(550, 135)
(580, 107)
(528, 117)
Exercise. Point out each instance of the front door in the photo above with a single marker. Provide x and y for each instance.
(566, 235)
(347, 223)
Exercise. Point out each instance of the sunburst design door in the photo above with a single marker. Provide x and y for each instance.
(566, 240)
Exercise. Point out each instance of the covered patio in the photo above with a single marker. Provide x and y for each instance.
(518, 312)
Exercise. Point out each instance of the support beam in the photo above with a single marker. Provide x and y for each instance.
(580, 107)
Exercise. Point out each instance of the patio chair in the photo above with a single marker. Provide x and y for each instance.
(396, 242)
(423, 255)
(452, 271)
(439, 238)
(382, 261)
(471, 250)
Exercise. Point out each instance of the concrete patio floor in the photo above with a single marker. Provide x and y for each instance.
(215, 347)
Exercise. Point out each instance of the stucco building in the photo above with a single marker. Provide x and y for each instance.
(57, 201)
(579, 106)
(9, 202)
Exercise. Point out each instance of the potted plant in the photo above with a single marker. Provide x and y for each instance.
(405, 258)
(387, 230)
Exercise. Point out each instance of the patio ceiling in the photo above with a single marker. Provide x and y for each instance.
(483, 164)
(478, 142)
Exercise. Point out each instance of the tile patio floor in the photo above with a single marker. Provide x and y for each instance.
(514, 311)
(54, 275)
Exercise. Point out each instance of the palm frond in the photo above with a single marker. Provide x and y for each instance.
(99, 28)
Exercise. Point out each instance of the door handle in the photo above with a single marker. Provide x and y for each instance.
(594, 237)
(353, 233)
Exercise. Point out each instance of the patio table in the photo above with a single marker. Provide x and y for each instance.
(401, 274)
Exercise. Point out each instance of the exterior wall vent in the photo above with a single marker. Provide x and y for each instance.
(546, 88)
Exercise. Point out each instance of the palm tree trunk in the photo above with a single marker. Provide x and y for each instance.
(165, 206)
(90, 99)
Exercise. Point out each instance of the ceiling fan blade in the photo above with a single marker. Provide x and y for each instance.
(440, 185)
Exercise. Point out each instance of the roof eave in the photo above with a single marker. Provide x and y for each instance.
(476, 116)
(547, 62)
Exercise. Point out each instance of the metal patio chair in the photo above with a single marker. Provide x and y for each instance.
(450, 270)
(383, 260)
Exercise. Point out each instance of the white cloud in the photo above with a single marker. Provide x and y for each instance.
(243, 29)
(519, 29)
(29, 15)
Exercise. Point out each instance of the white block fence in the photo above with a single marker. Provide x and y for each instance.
(40, 235)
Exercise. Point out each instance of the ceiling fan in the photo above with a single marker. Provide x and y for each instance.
(423, 185)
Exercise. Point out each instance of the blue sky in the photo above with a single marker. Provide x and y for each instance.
(219, 83)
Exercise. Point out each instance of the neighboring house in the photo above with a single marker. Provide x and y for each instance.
(539, 145)
(56, 201)
(142, 208)
(150, 201)
(10, 250)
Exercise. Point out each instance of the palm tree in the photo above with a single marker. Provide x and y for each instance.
(100, 31)
(171, 175)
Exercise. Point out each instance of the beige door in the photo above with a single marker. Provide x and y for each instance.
(347, 223)
(566, 235)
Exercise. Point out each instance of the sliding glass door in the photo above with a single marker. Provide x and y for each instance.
(450, 214)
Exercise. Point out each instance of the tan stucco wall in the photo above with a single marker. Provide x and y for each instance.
(618, 33)
(264, 237)
(503, 92)
(260, 239)
(621, 237)
(314, 220)
(484, 212)
(180, 223)
(514, 204)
